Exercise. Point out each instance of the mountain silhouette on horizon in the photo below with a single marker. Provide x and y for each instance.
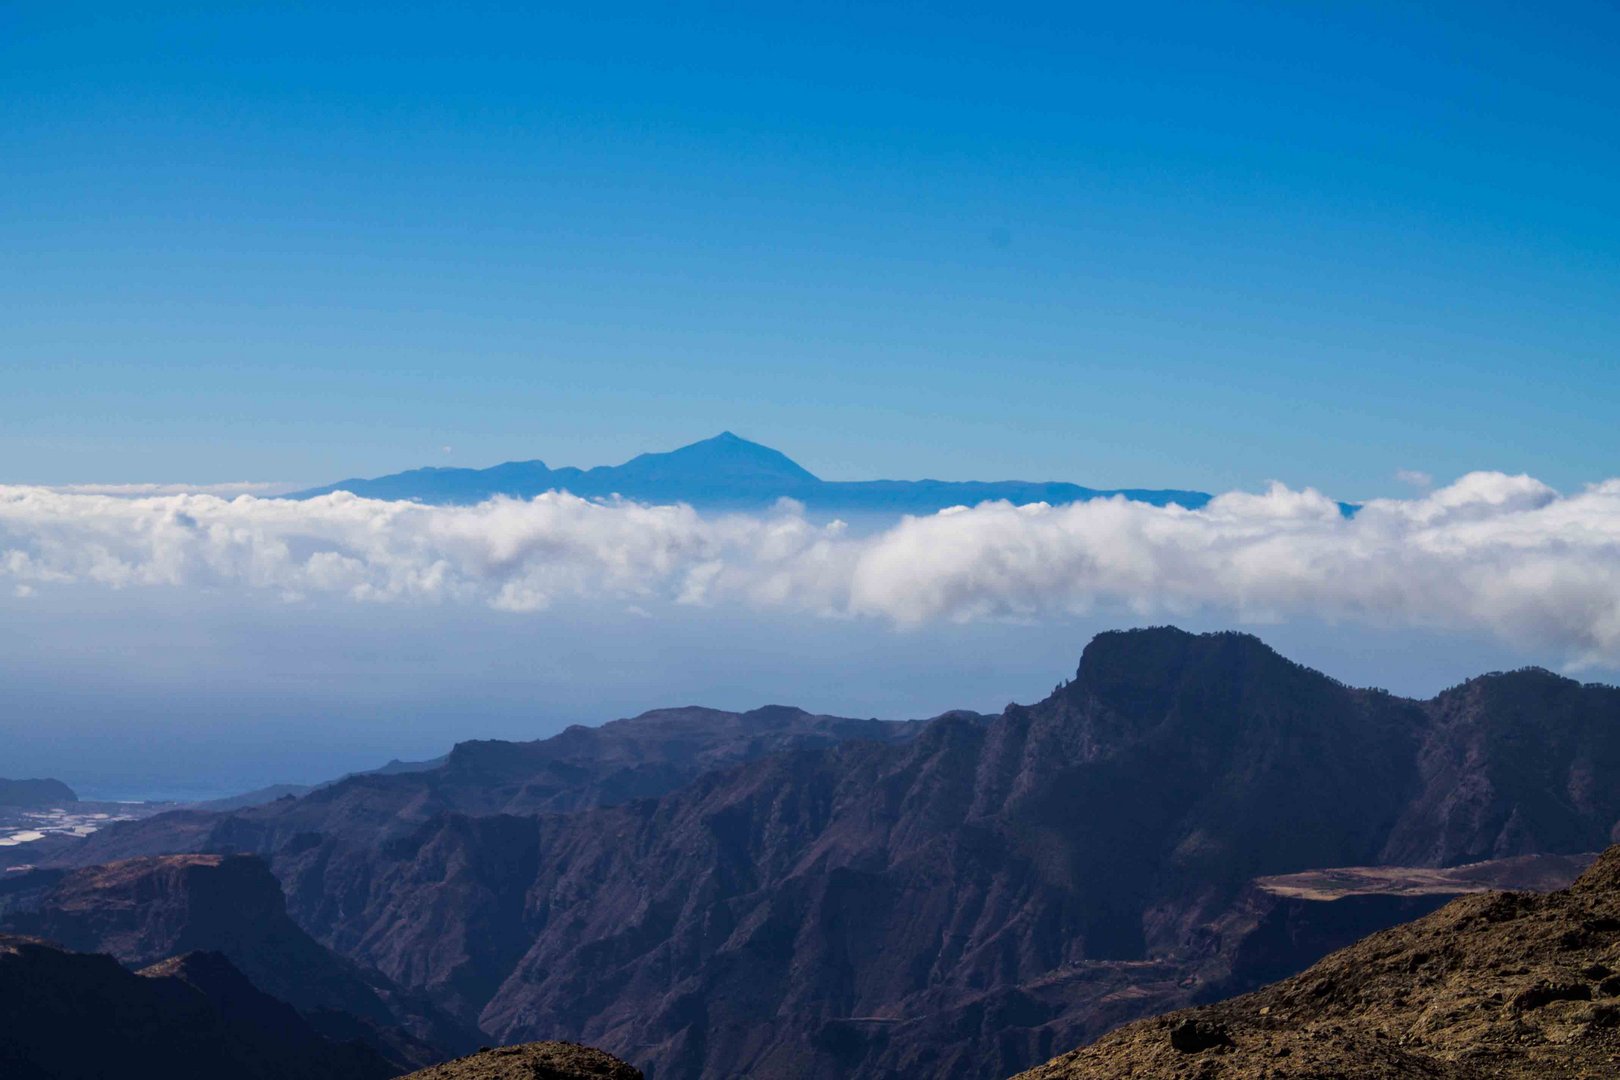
(725, 472)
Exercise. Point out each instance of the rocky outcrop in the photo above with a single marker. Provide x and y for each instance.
(70, 1016)
(533, 1061)
(1497, 985)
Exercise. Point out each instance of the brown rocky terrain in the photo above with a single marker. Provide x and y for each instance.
(1501, 985)
(532, 1061)
(71, 1016)
(963, 901)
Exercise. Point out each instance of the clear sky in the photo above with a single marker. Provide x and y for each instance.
(1195, 245)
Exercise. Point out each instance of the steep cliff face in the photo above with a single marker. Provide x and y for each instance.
(1513, 764)
(809, 898)
(69, 1016)
(1496, 985)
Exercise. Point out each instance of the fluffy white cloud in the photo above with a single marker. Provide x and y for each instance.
(241, 487)
(1504, 554)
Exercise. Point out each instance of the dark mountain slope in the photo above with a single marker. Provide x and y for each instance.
(1526, 761)
(725, 472)
(145, 911)
(68, 1016)
(1498, 985)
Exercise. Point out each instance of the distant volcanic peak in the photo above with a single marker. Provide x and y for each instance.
(725, 472)
(725, 455)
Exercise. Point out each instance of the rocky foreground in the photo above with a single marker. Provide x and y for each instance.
(1499, 985)
(533, 1061)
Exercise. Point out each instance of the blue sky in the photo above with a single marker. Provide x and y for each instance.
(1179, 245)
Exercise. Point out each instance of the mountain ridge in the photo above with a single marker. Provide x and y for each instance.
(723, 472)
(962, 896)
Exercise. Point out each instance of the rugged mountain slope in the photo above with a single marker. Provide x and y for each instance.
(964, 901)
(650, 754)
(146, 911)
(1497, 985)
(1526, 761)
(68, 1016)
(533, 1061)
(725, 472)
(955, 902)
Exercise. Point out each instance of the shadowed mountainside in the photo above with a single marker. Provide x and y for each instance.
(69, 1016)
(964, 901)
(1496, 985)
(147, 911)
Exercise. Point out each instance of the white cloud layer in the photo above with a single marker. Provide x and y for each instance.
(1501, 554)
(240, 487)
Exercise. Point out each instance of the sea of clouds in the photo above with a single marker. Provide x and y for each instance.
(1490, 552)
